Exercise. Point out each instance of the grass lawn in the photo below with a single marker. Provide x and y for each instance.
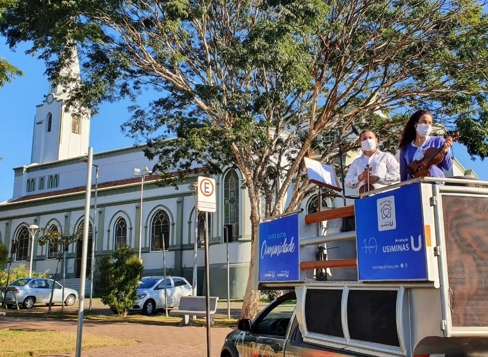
(158, 319)
(20, 343)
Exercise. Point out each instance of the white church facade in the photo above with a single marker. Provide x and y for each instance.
(167, 214)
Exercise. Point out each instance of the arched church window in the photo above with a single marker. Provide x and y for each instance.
(120, 233)
(160, 231)
(22, 243)
(231, 205)
(31, 185)
(41, 183)
(313, 204)
(49, 122)
(201, 226)
(50, 183)
(56, 180)
(53, 248)
(79, 248)
(75, 124)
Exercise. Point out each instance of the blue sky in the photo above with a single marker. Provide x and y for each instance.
(18, 101)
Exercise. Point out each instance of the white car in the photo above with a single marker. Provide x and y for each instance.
(151, 295)
(30, 291)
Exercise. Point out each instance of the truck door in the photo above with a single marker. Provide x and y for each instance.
(267, 337)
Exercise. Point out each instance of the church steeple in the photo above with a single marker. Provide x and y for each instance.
(59, 132)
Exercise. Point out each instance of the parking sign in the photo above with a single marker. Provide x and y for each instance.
(206, 201)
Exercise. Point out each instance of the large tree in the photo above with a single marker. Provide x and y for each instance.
(258, 84)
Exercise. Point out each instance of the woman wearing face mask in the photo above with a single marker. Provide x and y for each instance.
(383, 167)
(416, 140)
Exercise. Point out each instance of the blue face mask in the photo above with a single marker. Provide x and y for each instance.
(424, 129)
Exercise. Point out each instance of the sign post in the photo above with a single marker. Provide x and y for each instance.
(206, 202)
(206, 195)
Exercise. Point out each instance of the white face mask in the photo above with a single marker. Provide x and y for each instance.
(368, 144)
(424, 129)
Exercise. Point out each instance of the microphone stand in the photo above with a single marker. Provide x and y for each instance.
(343, 179)
(368, 167)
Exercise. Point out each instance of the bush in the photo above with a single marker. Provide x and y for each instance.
(271, 294)
(20, 271)
(116, 279)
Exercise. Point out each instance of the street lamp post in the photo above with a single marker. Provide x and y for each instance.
(94, 239)
(95, 223)
(33, 228)
(226, 235)
(193, 189)
(143, 173)
(164, 274)
(13, 250)
(84, 248)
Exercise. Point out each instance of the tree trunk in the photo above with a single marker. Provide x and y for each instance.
(54, 284)
(250, 305)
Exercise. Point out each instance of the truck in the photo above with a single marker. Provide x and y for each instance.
(410, 279)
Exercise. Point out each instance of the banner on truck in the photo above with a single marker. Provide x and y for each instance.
(279, 258)
(390, 236)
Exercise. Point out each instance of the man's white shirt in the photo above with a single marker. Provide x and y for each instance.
(383, 164)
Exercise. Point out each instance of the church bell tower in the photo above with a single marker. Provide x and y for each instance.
(59, 131)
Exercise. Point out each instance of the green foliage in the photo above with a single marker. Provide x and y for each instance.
(8, 72)
(3, 254)
(20, 271)
(272, 294)
(117, 277)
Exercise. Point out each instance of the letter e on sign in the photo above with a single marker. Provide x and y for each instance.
(206, 201)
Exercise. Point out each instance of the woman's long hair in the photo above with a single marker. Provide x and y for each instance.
(409, 131)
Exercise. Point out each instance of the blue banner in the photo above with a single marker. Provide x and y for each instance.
(279, 258)
(390, 236)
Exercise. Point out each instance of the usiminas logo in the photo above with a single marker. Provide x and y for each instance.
(386, 213)
(385, 209)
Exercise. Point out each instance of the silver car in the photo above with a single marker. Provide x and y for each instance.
(30, 291)
(151, 297)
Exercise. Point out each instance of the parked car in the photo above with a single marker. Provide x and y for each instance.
(274, 332)
(151, 297)
(30, 291)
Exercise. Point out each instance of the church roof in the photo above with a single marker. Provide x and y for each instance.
(82, 189)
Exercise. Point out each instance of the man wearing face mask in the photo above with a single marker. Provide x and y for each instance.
(416, 140)
(382, 167)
